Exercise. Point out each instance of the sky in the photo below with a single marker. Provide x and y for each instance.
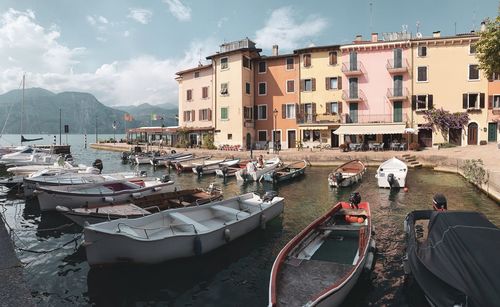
(126, 52)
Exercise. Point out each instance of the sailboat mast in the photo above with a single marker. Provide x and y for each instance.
(22, 110)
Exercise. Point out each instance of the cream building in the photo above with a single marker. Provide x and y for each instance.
(446, 75)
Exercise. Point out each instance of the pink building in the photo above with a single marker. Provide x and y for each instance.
(376, 88)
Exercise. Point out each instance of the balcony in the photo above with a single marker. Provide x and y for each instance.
(319, 119)
(353, 69)
(306, 119)
(400, 67)
(375, 119)
(394, 94)
(249, 123)
(353, 96)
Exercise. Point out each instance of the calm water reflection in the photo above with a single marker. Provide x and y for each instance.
(236, 274)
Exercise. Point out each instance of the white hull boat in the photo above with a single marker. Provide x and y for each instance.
(209, 167)
(178, 233)
(95, 194)
(185, 165)
(66, 166)
(347, 174)
(392, 174)
(254, 173)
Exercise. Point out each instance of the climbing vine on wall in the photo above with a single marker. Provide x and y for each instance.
(444, 120)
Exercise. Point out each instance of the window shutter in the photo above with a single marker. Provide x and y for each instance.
(413, 102)
(464, 100)
(490, 102)
(328, 108)
(192, 115)
(327, 83)
(340, 107)
(339, 82)
(481, 100)
(283, 111)
(313, 84)
(184, 116)
(199, 114)
(255, 112)
(314, 108)
(209, 114)
(302, 85)
(430, 103)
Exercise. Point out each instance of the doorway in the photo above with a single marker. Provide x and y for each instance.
(291, 138)
(398, 112)
(334, 139)
(455, 136)
(249, 141)
(492, 132)
(425, 137)
(472, 134)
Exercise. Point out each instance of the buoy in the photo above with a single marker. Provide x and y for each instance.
(361, 220)
(227, 235)
(405, 189)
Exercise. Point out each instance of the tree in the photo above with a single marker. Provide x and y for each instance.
(488, 47)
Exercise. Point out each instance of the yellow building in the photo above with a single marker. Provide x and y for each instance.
(233, 97)
(446, 75)
(320, 96)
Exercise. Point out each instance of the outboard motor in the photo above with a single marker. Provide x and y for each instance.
(68, 158)
(173, 151)
(165, 178)
(439, 202)
(355, 199)
(98, 164)
(199, 170)
(391, 179)
(143, 174)
(338, 177)
(125, 156)
(269, 196)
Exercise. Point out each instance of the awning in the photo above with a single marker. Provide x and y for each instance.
(371, 129)
(314, 128)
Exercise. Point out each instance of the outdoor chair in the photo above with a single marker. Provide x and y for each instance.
(370, 146)
(402, 147)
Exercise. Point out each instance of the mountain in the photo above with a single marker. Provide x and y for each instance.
(81, 111)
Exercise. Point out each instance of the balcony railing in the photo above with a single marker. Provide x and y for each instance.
(398, 67)
(374, 119)
(306, 119)
(398, 93)
(353, 69)
(353, 96)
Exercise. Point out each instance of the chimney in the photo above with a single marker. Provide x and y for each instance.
(483, 26)
(374, 37)
(358, 38)
(436, 34)
(275, 50)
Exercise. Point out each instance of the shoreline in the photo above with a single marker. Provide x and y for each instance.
(442, 160)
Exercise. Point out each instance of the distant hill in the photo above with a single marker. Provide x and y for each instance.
(79, 110)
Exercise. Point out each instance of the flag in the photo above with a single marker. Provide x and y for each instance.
(155, 116)
(128, 118)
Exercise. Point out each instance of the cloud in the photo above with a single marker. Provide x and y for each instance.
(126, 33)
(140, 15)
(99, 22)
(29, 47)
(221, 22)
(179, 10)
(283, 28)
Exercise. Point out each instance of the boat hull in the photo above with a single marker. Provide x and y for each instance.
(395, 167)
(352, 172)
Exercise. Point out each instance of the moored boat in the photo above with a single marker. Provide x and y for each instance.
(320, 265)
(186, 165)
(178, 233)
(254, 171)
(287, 172)
(347, 174)
(454, 258)
(392, 174)
(210, 166)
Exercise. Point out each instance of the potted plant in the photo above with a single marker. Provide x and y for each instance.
(414, 146)
(344, 147)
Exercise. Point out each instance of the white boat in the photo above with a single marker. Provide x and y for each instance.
(347, 174)
(27, 170)
(28, 156)
(187, 164)
(392, 174)
(165, 160)
(210, 166)
(178, 233)
(253, 172)
(95, 194)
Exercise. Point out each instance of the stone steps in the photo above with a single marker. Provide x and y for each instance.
(411, 161)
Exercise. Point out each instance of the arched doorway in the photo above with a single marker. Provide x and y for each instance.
(249, 141)
(472, 134)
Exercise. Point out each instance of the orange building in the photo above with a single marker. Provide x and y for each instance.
(276, 93)
(494, 108)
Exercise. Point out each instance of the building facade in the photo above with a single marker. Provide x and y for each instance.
(494, 108)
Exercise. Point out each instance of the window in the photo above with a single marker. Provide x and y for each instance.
(248, 113)
(308, 85)
(247, 62)
(224, 63)
(421, 102)
(289, 63)
(334, 108)
(196, 74)
(307, 60)
(229, 136)
(496, 101)
(189, 116)
(472, 48)
(333, 57)
(224, 89)
(247, 88)
(262, 112)
(473, 101)
(422, 74)
(262, 135)
(224, 113)
(262, 88)
(473, 72)
(290, 110)
(422, 51)
(332, 83)
(204, 114)
(316, 135)
(290, 86)
(262, 67)
(495, 76)
(189, 95)
(204, 92)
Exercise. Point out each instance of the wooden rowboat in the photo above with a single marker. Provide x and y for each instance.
(323, 262)
(347, 174)
(287, 172)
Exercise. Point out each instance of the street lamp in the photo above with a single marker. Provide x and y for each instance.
(275, 143)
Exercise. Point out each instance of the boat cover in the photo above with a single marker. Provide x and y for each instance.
(463, 251)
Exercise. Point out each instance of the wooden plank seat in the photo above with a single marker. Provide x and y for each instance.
(341, 227)
(345, 211)
(235, 212)
(189, 221)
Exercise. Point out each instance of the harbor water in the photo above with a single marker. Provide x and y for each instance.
(237, 274)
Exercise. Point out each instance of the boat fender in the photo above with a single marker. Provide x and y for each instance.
(197, 246)
(199, 170)
(227, 235)
(262, 221)
(369, 262)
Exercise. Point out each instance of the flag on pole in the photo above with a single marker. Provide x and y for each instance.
(155, 116)
(128, 118)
